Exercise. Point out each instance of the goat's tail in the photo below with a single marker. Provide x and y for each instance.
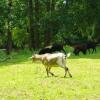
(68, 55)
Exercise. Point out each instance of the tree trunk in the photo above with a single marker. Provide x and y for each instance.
(36, 31)
(50, 6)
(53, 5)
(9, 33)
(31, 29)
(48, 30)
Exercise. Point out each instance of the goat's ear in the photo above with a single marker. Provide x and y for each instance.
(33, 56)
(30, 57)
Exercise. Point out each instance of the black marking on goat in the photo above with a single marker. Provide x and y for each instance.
(51, 49)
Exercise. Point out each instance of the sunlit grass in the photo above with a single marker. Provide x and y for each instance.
(21, 79)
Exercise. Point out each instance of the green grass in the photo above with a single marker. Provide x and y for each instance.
(20, 79)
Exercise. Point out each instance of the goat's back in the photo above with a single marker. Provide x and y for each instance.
(55, 59)
(55, 55)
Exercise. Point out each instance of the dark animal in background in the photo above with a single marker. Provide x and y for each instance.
(80, 48)
(91, 45)
(52, 48)
(45, 50)
(84, 47)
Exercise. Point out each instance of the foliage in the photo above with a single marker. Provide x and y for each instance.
(69, 18)
(20, 38)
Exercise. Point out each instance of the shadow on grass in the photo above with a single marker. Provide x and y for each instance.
(58, 77)
(16, 58)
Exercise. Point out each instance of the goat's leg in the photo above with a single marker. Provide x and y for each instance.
(95, 49)
(89, 51)
(92, 50)
(50, 72)
(62, 64)
(69, 73)
(67, 70)
(47, 71)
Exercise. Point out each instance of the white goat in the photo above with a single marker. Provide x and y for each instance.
(52, 60)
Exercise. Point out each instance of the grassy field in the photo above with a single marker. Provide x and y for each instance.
(21, 79)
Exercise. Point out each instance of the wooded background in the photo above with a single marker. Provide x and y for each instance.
(36, 23)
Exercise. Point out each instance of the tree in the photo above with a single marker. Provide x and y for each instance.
(50, 8)
(31, 28)
(37, 24)
(9, 33)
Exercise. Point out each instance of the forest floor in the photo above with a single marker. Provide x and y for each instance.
(22, 79)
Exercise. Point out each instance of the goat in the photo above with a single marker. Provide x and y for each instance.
(82, 45)
(80, 48)
(46, 50)
(52, 60)
(91, 45)
(51, 49)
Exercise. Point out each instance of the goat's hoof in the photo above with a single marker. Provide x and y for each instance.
(71, 76)
(52, 74)
(47, 75)
(64, 76)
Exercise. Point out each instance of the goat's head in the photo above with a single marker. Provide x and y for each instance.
(34, 57)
